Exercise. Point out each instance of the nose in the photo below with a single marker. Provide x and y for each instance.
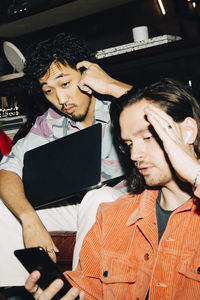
(61, 96)
(137, 151)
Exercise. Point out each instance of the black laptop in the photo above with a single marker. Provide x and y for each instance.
(65, 168)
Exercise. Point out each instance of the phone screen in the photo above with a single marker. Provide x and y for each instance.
(37, 259)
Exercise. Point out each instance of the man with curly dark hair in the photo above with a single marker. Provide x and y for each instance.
(63, 69)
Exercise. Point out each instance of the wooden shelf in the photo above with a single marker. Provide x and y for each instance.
(171, 50)
(12, 76)
(181, 57)
(177, 59)
(9, 84)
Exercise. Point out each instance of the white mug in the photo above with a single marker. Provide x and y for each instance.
(140, 33)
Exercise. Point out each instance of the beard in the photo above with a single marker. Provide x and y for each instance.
(157, 180)
(80, 117)
(157, 176)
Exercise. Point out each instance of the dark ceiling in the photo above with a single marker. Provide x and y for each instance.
(105, 23)
(21, 17)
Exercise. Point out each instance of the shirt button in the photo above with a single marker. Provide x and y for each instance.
(161, 284)
(198, 270)
(105, 274)
(146, 256)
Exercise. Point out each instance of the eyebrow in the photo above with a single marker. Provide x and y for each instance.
(142, 130)
(57, 77)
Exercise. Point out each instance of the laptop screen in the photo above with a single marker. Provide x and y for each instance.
(63, 168)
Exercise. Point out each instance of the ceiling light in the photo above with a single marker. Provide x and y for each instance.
(162, 8)
(193, 3)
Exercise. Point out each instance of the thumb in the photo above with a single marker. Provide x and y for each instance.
(55, 248)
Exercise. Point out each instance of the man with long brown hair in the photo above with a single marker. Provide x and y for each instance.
(146, 244)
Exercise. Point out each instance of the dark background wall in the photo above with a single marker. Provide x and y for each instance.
(113, 27)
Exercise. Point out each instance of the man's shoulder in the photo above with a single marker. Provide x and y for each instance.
(117, 212)
(103, 104)
(128, 205)
(49, 124)
(102, 111)
(122, 203)
(50, 114)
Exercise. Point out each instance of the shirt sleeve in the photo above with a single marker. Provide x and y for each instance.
(110, 165)
(14, 161)
(110, 161)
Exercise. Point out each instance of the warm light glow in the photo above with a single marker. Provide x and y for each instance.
(162, 8)
(194, 4)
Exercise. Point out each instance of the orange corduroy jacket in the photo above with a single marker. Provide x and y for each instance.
(121, 258)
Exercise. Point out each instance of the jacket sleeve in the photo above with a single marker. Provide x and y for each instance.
(87, 274)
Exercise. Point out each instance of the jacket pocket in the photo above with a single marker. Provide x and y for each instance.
(116, 270)
(190, 267)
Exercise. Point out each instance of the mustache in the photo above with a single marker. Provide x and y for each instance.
(64, 106)
(142, 164)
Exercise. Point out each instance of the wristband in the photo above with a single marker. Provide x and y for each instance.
(196, 180)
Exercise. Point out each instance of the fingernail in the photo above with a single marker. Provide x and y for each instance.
(58, 283)
(74, 291)
(35, 274)
(82, 294)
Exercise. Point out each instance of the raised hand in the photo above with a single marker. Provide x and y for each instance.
(176, 142)
(95, 78)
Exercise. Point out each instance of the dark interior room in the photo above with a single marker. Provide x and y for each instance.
(132, 250)
(106, 24)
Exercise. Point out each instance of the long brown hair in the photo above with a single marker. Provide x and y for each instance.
(174, 98)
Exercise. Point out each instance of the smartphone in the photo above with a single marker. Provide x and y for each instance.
(38, 259)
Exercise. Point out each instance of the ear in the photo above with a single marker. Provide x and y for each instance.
(189, 130)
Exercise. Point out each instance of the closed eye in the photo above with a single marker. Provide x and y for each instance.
(47, 92)
(147, 138)
(65, 84)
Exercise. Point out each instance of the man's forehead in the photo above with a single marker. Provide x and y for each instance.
(133, 118)
(135, 110)
(55, 69)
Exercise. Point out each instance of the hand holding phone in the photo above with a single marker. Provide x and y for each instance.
(38, 259)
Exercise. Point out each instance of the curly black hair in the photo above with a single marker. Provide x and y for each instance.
(62, 48)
